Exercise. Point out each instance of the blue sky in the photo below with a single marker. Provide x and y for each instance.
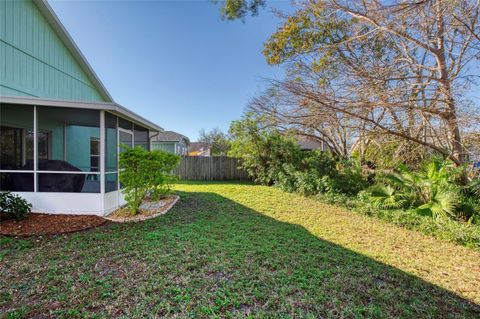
(174, 62)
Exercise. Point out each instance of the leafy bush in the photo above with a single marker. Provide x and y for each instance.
(350, 178)
(13, 206)
(314, 174)
(388, 152)
(263, 151)
(145, 173)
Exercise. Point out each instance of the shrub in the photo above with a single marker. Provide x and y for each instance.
(350, 178)
(263, 151)
(145, 173)
(13, 206)
(434, 190)
(387, 152)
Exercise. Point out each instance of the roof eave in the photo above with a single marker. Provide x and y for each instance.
(107, 106)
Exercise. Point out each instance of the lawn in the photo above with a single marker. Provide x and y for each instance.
(236, 250)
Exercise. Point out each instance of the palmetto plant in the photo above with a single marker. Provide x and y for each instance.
(443, 200)
(433, 188)
(387, 197)
(475, 186)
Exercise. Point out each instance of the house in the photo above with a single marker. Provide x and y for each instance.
(170, 141)
(60, 130)
(199, 149)
(307, 143)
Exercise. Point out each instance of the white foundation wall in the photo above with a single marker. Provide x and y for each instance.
(74, 203)
(113, 200)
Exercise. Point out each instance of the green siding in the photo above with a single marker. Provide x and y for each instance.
(33, 59)
(78, 151)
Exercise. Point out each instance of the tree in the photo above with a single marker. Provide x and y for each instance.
(262, 148)
(218, 140)
(333, 129)
(239, 9)
(389, 67)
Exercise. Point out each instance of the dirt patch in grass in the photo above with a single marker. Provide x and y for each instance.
(149, 209)
(49, 224)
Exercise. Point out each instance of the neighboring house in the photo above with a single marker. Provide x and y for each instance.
(199, 149)
(307, 143)
(60, 130)
(170, 141)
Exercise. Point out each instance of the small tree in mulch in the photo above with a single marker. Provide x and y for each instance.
(13, 206)
(146, 173)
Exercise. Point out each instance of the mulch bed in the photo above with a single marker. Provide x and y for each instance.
(49, 224)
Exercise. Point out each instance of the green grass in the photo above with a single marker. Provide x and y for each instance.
(235, 250)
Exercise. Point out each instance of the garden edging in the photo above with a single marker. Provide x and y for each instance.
(140, 218)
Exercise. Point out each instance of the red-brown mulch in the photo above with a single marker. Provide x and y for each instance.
(49, 224)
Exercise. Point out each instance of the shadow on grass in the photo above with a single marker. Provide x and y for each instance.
(210, 256)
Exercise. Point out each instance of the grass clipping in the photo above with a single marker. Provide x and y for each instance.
(148, 209)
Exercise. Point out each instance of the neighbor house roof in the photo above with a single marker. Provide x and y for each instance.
(169, 136)
(58, 27)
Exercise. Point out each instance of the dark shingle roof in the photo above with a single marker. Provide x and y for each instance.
(169, 136)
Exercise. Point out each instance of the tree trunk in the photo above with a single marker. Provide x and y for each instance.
(453, 132)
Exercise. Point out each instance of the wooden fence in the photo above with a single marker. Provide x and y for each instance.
(215, 168)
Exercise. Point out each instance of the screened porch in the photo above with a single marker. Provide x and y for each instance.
(46, 150)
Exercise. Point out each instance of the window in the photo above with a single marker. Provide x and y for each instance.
(16, 149)
(43, 144)
(13, 146)
(94, 154)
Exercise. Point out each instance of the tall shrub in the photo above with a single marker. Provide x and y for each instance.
(263, 151)
(144, 173)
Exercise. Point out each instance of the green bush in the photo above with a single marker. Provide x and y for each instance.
(13, 206)
(144, 173)
(350, 178)
(420, 191)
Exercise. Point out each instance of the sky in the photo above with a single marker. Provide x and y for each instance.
(176, 63)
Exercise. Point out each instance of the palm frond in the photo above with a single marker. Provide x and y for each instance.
(475, 186)
(442, 203)
(387, 197)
